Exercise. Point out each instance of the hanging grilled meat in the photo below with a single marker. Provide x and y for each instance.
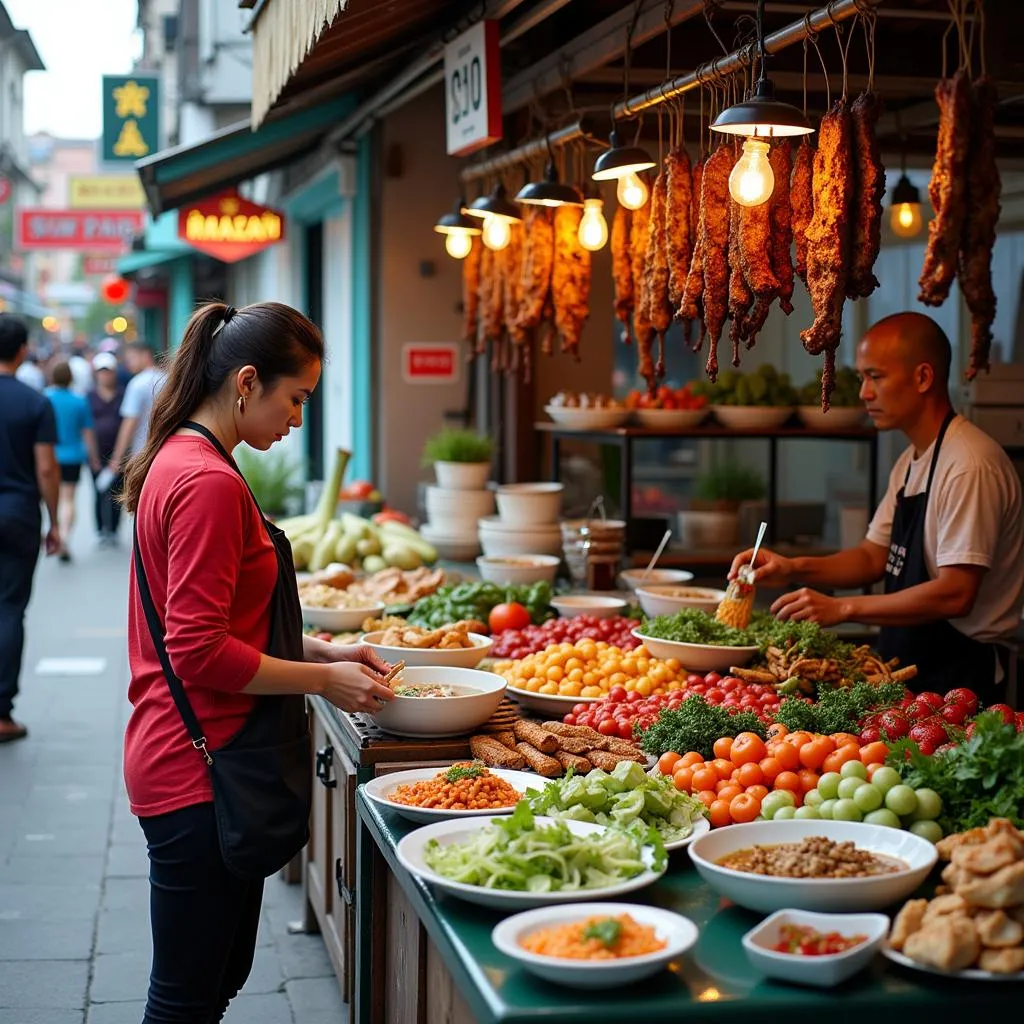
(656, 268)
(868, 189)
(801, 201)
(642, 327)
(741, 298)
(486, 281)
(538, 260)
(781, 214)
(514, 287)
(947, 189)
(715, 235)
(494, 311)
(756, 255)
(570, 282)
(622, 270)
(979, 233)
(679, 241)
(828, 240)
(471, 295)
(696, 304)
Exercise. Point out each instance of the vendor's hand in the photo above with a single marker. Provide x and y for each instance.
(352, 686)
(806, 605)
(52, 541)
(770, 569)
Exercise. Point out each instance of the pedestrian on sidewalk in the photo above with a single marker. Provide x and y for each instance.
(28, 474)
(137, 405)
(105, 404)
(76, 446)
(219, 663)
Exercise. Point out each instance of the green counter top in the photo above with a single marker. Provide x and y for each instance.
(713, 982)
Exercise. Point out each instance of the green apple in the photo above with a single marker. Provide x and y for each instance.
(929, 805)
(813, 799)
(853, 770)
(802, 813)
(901, 800)
(784, 814)
(828, 785)
(885, 778)
(867, 797)
(825, 808)
(883, 816)
(929, 830)
(776, 800)
(849, 786)
(846, 810)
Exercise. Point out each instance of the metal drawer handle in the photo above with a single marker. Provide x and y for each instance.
(325, 765)
(343, 890)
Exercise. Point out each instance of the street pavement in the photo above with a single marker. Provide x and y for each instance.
(74, 902)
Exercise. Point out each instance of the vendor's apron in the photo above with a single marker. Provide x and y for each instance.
(945, 657)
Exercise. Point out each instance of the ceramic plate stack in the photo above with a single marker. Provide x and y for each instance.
(526, 523)
(451, 520)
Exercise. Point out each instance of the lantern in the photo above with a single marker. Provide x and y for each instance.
(115, 290)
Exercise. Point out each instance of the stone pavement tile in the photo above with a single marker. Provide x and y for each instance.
(119, 977)
(304, 956)
(265, 975)
(127, 894)
(272, 1008)
(127, 860)
(310, 996)
(124, 931)
(61, 842)
(72, 871)
(48, 1016)
(49, 902)
(116, 1013)
(42, 984)
(45, 940)
(126, 831)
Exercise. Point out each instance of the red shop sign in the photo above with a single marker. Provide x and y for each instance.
(99, 264)
(438, 363)
(230, 228)
(85, 230)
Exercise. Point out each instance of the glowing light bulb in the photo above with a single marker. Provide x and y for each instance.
(458, 244)
(631, 191)
(119, 325)
(752, 180)
(497, 232)
(593, 233)
(905, 219)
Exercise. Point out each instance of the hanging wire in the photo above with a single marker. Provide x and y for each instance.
(824, 71)
(709, 6)
(869, 21)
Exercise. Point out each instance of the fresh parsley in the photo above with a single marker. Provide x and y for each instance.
(607, 931)
(458, 772)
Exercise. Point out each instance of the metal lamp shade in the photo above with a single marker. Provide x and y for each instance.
(549, 192)
(762, 114)
(618, 161)
(497, 204)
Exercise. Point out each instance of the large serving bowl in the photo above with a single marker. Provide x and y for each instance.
(410, 855)
(600, 606)
(669, 419)
(752, 417)
(697, 657)
(633, 578)
(830, 895)
(837, 418)
(452, 543)
(587, 419)
(527, 504)
(662, 599)
(499, 537)
(442, 716)
(518, 569)
(677, 932)
(432, 657)
(340, 620)
(444, 505)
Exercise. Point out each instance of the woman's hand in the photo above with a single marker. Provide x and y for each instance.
(354, 686)
(324, 653)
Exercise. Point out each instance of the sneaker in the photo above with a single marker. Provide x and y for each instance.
(11, 730)
(64, 556)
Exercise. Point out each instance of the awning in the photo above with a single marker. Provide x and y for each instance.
(184, 174)
(160, 245)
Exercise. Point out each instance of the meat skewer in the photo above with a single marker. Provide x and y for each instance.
(979, 232)
(781, 214)
(741, 298)
(622, 270)
(828, 241)
(679, 241)
(868, 189)
(715, 248)
(642, 327)
(947, 189)
(471, 295)
(801, 201)
(656, 268)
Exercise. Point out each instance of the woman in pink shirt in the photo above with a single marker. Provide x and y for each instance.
(219, 664)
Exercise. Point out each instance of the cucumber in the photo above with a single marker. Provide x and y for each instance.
(323, 553)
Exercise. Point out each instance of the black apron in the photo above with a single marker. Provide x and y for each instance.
(262, 776)
(945, 657)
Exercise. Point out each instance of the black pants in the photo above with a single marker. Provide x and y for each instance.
(108, 509)
(19, 551)
(204, 920)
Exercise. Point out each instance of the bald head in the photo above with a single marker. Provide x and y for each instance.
(913, 339)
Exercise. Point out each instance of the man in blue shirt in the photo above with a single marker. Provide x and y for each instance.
(28, 474)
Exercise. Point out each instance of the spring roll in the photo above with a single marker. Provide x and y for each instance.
(532, 733)
(495, 754)
(540, 763)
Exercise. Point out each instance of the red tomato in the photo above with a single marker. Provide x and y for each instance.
(626, 730)
(894, 724)
(1005, 710)
(608, 727)
(668, 761)
(511, 615)
(919, 709)
(617, 694)
(954, 713)
(712, 679)
(928, 736)
(932, 699)
(870, 734)
(962, 695)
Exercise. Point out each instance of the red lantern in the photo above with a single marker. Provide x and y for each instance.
(115, 290)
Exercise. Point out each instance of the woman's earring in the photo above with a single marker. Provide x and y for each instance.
(241, 405)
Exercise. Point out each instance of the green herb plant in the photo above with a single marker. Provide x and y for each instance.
(456, 444)
(846, 393)
(695, 725)
(729, 481)
(837, 710)
(691, 626)
(273, 477)
(460, 601)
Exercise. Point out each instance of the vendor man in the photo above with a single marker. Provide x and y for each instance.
(947, 539)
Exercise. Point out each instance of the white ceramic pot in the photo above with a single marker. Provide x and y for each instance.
(710, 529)
(528, 504)
(444, 504)
(462, 476)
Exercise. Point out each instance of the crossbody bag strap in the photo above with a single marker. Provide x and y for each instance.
(156, 631)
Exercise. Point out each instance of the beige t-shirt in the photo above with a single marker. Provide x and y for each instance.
(974, 517)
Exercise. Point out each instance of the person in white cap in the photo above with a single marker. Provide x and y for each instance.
(105, 401)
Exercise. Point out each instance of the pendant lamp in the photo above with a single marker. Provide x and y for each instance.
(495, 204)
(549, 192)
(458, 231)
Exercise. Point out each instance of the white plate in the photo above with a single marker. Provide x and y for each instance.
(830, 895)
(971, 974)
(340, 620)
(587, 419)
(669, 419)
(752, 417)
(379, 789)
(410, 856)
(701, 827)
(550, 704)
(597, 605)
(677, 932)
(698, 657)
(455, 657)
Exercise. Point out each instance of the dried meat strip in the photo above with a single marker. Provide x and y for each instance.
(656, 268)
(642, 327)
(679, 240)
(781, 213)
(622, 270)
(868, 190)
(801, 201)
(715, 247)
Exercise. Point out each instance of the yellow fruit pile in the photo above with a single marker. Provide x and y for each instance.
(590, 668)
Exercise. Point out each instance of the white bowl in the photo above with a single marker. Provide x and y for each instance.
(498, 538)
(410, 856)
(677, 932)
(340, 620)
(518, 569)
(752, 417)
(630, 578)
(506, 527)
(669, 419)
(456, 547)
(663, 599)
(442, 502)
(442, 716)
(601, 607)
(526, 504)
(768, 893)
(380, 788)
(837, 418)
(587, 419)
(458, 657)
(698, 657)
(824, 970)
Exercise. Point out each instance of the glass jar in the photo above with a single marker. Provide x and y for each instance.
(738, 604)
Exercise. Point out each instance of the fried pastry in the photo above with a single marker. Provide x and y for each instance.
(985, 858)
(1004, 888)
(946, 906)
(996, 930)
(1002, 961)
(949, 943)
(907, 921)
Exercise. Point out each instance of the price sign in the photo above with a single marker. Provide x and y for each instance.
(472, 75)
(430, 364)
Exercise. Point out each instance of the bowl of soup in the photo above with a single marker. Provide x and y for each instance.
(434, 701)
(669, 598)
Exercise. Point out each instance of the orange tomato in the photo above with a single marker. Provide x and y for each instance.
(799, 738)
(748, 746)
(808, 780)
(759, 792)
(770, 767)
(777, 730)
(720, 816)
(707, 797)
(727, 790)
(682, 779)
(723, 767)
(788, 780)
(689, 759)
(842, 738)
(872, 768)
(839, 757)
(705, 779)
(749, 774)
(787, 756)
(668, 761)
(877, 751)
(722, 747)
(744, 807)
(814, 751)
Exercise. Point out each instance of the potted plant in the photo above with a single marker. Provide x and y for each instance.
(273, 479)
(461, 458)
(712, 520)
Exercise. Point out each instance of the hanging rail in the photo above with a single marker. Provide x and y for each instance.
(796, 32)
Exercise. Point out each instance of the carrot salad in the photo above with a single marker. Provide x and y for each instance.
(596, 938)
(466, 786)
